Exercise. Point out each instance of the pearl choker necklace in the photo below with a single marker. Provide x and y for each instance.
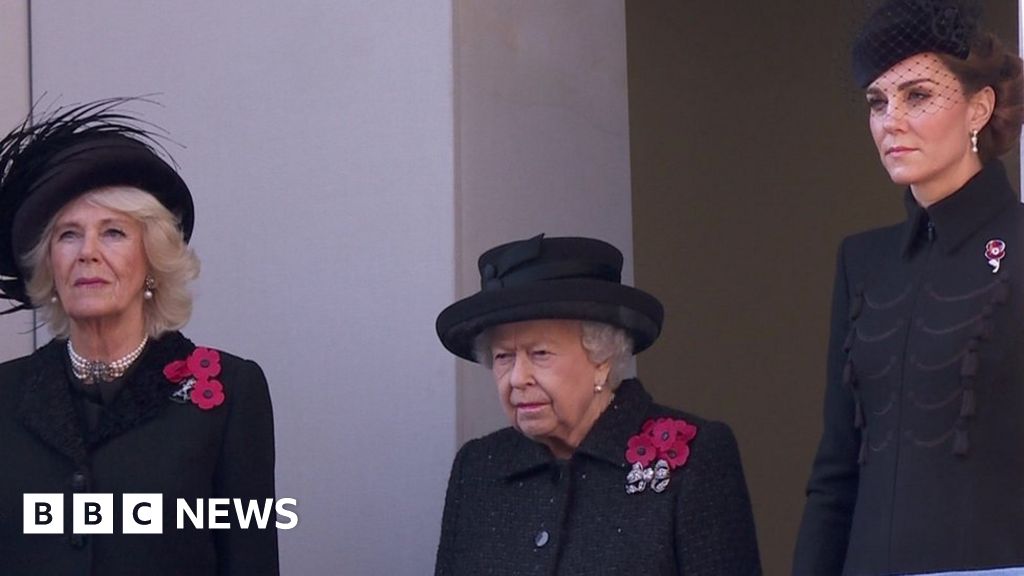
(92, 371)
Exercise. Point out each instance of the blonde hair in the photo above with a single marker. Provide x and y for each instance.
(171, 263)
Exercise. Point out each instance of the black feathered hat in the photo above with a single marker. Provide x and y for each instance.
(46, 163)
(550, 278)
(899, 29)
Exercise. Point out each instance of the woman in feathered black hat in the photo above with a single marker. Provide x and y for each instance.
(94, 228)
(593, 477)
(920, 468)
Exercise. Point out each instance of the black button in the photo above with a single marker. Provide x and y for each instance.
(79, 482)
(541, 538)
(77, 541)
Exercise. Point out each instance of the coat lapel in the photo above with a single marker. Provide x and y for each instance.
(609, 437)
(146, 390)
(47, 409)
(607, 440)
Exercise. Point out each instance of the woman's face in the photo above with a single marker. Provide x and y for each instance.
(921, 124)
(99, 264)
(546, 381)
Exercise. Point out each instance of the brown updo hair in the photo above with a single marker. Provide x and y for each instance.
(990, 64)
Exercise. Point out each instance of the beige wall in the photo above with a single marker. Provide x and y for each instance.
(15, 329)
(750, 160)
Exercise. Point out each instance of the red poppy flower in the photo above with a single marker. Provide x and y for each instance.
(204, 363)
(208, 394)
(177, 371)
(676, 455)
(641, 450)
(685, 431)
(664, 432)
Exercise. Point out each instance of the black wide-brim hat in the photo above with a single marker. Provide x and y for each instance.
(550, 279)
(899, 29)
(46, 164)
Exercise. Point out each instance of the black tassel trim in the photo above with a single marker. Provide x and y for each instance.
(967, 405)
(848, 380)
(984, 329)
(969, 366)
(858, 302)
(961, 442)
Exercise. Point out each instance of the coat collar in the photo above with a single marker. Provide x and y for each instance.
(46, 406)
(956, 217)
(606, 441)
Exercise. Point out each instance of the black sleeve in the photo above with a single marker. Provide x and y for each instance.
(446, 549)
(832, 488)
(246, 471)
(714, 533)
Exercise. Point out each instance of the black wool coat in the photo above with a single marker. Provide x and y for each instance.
(513, 509)
(921, 464)
(142, 442)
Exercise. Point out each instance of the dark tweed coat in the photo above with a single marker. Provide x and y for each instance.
(513, 509)
(143, 443)
(926, 391)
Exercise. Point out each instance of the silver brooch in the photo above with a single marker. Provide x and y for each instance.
(183, 395)
(639, 477)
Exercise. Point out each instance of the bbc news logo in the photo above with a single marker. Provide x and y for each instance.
(143, 513)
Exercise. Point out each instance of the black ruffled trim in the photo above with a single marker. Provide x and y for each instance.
(47, 409)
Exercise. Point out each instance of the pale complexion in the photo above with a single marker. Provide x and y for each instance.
(921, 122)
(546, 382)
(99, 270)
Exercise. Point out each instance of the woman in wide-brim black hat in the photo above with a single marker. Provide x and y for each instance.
(920, 468)
(592, 477)
(94, 230)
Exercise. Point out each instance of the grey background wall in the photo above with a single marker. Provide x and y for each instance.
(15, 95)
(542, 142)
(751, 158)
(317, 139)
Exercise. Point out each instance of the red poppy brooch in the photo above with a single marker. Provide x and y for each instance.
(194, 377)
(995, 249)
(665, 442)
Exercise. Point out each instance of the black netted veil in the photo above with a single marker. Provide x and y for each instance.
(897, 56)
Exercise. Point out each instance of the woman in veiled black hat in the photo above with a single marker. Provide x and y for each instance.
(94, 230)
(592, 477)
(920, 468)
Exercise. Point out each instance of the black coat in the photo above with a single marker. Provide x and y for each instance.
(925, 391)
(143, 442)
(513, 509)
